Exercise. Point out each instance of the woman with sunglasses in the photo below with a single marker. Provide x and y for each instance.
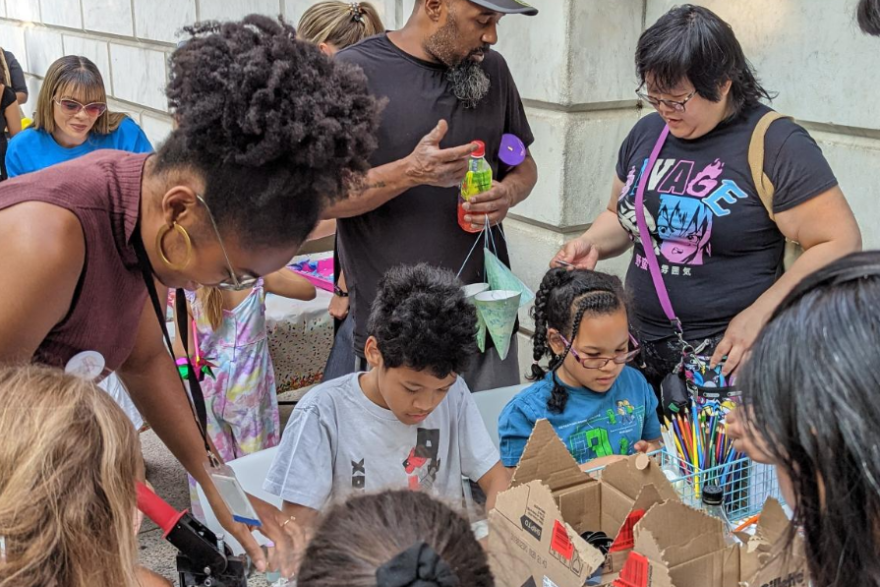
(72, 120)
(710, 276)
(600, 407)
(269, 133)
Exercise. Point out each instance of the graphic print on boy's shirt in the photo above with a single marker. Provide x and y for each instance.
(421, 464)
(358, 474)
(614, 432)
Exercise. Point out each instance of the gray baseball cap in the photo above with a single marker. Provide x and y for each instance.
(507, 6)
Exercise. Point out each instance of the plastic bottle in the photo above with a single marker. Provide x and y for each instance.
(477, 181)
(713, 504)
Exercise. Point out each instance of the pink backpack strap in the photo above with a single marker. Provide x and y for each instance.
(645, 235)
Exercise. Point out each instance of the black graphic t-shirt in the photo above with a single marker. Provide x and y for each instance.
(421, 225)
(718, 249)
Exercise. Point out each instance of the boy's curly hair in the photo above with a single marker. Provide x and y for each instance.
(278, 130)
(421, 320)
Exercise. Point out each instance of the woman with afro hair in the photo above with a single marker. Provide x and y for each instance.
(269, 132)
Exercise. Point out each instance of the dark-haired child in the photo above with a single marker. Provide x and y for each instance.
(599, 406)
(409, 422)
(394, 538)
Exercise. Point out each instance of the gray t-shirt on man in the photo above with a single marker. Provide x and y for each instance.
(338, 441)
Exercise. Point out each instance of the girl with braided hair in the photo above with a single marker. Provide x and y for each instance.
(599, 406)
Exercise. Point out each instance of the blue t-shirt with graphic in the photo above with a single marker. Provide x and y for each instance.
(32, 149)
(593, 424)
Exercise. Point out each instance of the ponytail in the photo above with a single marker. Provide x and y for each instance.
(561, 302)
(554, 279)
(212, 303)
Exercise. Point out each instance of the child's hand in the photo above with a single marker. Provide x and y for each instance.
(647, 446)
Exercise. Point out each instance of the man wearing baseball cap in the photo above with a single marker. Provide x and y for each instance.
(507, 6)
(444, 88)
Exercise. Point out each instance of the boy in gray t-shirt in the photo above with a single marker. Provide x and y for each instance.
(409, 422)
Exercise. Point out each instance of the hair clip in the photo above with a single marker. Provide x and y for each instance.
(356, 12)
(417, 565)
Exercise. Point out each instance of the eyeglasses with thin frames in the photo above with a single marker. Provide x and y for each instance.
(600, 362)
(234, 283)
(678, 106)
(72, 107)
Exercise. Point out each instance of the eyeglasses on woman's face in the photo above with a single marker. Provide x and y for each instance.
(234, 283)
(600, 362)
(71, 107)
(677, 105)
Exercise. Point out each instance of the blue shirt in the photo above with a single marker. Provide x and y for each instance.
(33, 149)
(593, 424)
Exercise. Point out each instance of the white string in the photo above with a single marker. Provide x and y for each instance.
(488, 238)
(491, 236)
(468, 258)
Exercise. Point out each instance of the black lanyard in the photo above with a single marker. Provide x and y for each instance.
(198, 399)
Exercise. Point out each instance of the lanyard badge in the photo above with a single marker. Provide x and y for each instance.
(233, 493)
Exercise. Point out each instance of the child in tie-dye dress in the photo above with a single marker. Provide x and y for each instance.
(240, 396)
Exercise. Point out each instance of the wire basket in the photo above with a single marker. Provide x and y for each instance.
(746, 484)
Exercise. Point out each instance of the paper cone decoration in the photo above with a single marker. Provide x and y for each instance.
(498, 310)
(500, 277)
(470, 292)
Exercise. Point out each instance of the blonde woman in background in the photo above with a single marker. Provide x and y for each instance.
(333, 26)
(69, 460)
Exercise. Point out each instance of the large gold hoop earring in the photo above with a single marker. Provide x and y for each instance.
(187, 241)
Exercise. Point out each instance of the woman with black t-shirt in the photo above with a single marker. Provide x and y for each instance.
(717, 249)
(11, 122)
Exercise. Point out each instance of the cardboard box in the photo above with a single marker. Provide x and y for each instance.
(535, 528)
(677, 546)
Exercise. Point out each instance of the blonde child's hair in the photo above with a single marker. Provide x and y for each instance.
(339, 23)
(69, 460)
(211, 299)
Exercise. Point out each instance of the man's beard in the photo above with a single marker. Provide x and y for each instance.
(470, 84)
(469, 81)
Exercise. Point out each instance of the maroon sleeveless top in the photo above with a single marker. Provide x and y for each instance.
(103, 190)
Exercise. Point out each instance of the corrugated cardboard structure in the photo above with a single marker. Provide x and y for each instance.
(536, 525)
(677, 546)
